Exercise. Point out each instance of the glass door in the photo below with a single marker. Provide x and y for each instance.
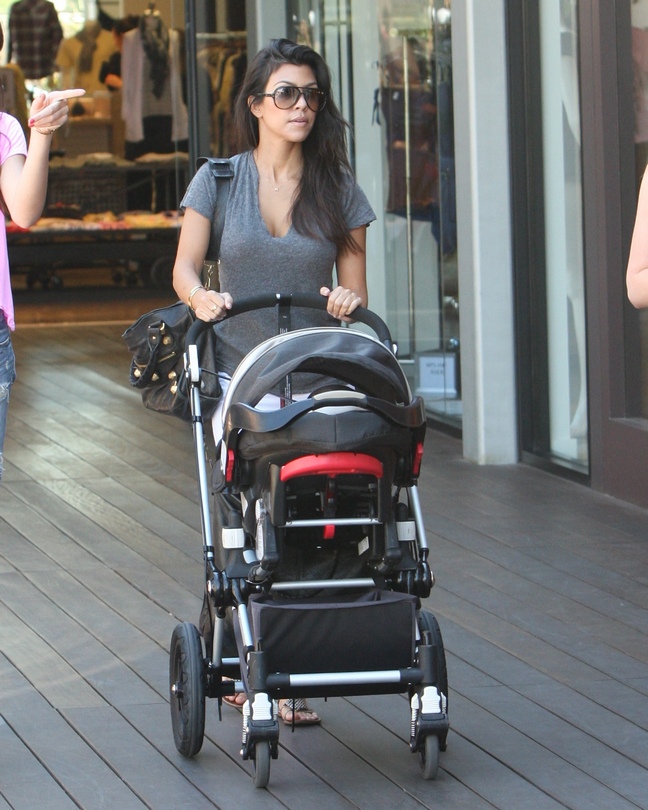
(416, 108)
(548, 222)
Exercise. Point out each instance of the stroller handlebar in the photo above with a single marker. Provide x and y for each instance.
(306, 300)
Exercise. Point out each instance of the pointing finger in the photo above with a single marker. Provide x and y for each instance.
(73, 93)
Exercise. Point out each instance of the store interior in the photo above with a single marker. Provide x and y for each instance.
(104, 246)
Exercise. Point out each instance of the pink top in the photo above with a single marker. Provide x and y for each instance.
(12, 142)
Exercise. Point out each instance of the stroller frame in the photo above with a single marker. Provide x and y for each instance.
(395, 546)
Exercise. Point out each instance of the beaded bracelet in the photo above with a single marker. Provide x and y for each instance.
(193, 292)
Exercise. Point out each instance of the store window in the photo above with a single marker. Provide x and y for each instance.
(392, 68)
(637, 330)
(217, 61)
(120, 164)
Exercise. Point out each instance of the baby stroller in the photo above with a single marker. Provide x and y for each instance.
(322, 550)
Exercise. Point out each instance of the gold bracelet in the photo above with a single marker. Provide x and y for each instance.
(50, 131)
(193, 292)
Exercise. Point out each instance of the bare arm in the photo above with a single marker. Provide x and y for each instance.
(23, 181)
(351, 269)
(192, 250)
(637, 271)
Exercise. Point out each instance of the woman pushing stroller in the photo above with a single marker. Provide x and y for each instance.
(294, 213)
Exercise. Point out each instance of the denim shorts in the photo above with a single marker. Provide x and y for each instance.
(7, 378)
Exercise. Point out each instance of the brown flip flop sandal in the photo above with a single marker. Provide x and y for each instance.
(236, 701)
(296, 712)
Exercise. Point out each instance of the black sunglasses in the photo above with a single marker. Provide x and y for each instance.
(288, 95)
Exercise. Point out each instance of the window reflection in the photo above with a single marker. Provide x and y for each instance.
(563, 231)
(417, 113)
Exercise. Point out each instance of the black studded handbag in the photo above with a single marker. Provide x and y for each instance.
(157, 340)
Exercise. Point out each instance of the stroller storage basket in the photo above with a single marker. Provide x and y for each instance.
(372, 631)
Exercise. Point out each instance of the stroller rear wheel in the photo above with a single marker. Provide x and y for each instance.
(428, 622)
(187, 689)
(435, 742)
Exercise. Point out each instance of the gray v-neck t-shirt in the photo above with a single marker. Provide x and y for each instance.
(254, 262)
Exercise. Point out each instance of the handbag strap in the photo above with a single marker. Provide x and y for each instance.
(144, 376)
(223, 171)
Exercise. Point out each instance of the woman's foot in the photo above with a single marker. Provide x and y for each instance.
(236, 700)
(296, 712)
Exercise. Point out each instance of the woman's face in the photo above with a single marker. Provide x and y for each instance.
(295, 123)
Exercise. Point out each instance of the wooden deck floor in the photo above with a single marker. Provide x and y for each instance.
(542, 598)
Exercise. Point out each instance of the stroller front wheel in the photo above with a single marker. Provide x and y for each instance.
(187, 689)
(430, 757)
(262, 757)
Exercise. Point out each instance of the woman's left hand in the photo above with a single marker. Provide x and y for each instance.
(341, 302)
(49, 111)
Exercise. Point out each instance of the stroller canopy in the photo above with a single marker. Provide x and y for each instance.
(346, 355)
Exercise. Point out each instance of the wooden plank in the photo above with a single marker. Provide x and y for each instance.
(69, 768)
(219, 772)
(565, 594)
(70, 522)
(50, 673)
(548, 772)
(470, 776)
(610, 750)
(24, 782)
(182, 532)
(361, 726)
(533, 581)
(542, 522)
(293, 781)
(33, 542)
(126, 528)
(105, 652)
(144, 770)
(541, 629)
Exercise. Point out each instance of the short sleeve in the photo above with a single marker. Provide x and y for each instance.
(200, 195)
(357, 210)
(12, 141)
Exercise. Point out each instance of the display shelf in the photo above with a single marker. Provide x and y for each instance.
(139, 252)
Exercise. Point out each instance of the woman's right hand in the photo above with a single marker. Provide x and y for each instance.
(210, 305)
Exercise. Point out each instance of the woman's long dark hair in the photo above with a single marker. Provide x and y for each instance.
(317, 209)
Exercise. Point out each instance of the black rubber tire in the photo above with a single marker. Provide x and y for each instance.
(427, 621)
(430, 757)
(187, 689)
(262, 758)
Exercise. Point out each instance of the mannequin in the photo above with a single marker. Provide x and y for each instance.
(153, 109)
(152, 105)
(80, 57)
